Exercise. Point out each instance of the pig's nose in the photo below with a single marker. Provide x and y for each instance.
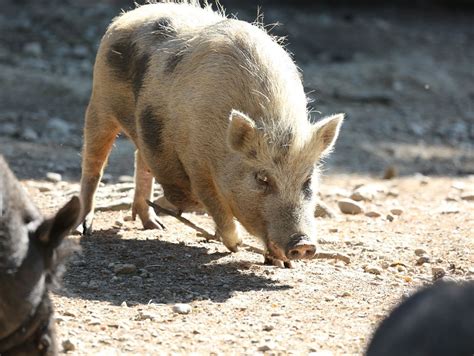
(300, 247)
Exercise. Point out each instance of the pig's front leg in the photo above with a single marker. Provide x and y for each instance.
(215, 204)
(143, 192)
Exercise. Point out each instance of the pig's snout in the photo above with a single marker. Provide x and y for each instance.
(300, 247)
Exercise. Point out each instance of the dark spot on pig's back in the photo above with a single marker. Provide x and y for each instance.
(127, 63)
(151, 125)
(162, 29)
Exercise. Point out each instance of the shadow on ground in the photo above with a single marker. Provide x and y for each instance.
(166, 272)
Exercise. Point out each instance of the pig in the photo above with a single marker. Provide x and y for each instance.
(31, 254)
(435, 321)
(217, 111)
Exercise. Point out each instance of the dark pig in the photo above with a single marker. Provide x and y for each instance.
(31, 251)
(435, 321)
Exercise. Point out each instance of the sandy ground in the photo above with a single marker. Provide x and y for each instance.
(239, 305)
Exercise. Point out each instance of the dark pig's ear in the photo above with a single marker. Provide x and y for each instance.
(325, 133)
(241, 133)
(52, 231)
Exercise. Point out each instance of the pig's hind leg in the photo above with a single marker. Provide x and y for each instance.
(143, 192)
(99, 135)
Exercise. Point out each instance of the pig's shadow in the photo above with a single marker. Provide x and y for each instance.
(166, 272)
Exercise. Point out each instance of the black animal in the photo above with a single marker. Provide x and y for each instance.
(31, 252)
(436, 321)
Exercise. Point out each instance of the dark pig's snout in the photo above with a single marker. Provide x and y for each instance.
(300, 247)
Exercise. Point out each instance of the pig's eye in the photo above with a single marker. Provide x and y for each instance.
(262, 180)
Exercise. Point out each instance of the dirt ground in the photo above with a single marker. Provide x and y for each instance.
(405, 78)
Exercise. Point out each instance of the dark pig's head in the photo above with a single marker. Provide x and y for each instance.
(273, 180)
(31, 250)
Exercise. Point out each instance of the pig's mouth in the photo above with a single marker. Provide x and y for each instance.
(299, 247)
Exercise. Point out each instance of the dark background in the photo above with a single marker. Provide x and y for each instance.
(402, 71)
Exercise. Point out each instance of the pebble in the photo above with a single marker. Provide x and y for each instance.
(268, 328)
(349, 206)
(68, 345)
(372, 269)
(438, 273)
(33, 48)
(264, 348)
(126, 268)
(390, 173)
(181, 308)
(54, 177)
(323, 211)
(124, 304)
(366, 193)
(390, 217)
(373, 214)
(29, 134)
(422, 260)
(396, 211)
(125, 179)
(420, 252)
(468, 196)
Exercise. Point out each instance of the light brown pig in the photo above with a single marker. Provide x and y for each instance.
(217, 111)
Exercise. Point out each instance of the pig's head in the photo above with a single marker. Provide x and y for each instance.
(273, 180)
(31, 250)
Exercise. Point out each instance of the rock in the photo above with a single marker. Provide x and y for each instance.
(54, 177)
(125, 179)
(458, 186)
(390, 173)
(68, 345)
(438, 272)
(390, 217)
(373, 214)
(333, 229)
(422, 260)
(29, 134)
(8, 129)
(396, 211)
(264, 348)
(420, 252)
(268, 328)
(449, 209)
(33, 49)
(349, 206)
(181, 308)
(468, 196)
(372, 269)
(124, 304)
(323, 211)
(126, 268)
(106, 178)
(365, 193)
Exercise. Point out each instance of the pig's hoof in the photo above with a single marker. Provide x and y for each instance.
(233, 247)
(271, 261)
(153, 224)
(85, 228)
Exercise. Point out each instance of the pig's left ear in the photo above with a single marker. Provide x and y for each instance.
(325, 133)
(52, 231)
(241, 133)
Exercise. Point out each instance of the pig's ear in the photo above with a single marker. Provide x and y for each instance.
(52, 231)
(325, 133)
(241, 132)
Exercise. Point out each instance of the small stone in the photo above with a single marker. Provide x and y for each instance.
(372, 269)
(333, 229)
(68, 345)
(449, 209)
(438, 273)
(364, 193)
(106, 178)
(118, 223)
(126, 268)
(124, 304)
(33, 48)
(323, 211)
(54, 177)
(422, 260)
(420, 252)
(396, 211)
(264, 348)
(458, 186)
(181, 308)
(125, 179)
(373, 214)
(349, 206)
(390, 173)
(29, 134)
(468, 196)
(94, 321)
(268, 328)
(390, 217)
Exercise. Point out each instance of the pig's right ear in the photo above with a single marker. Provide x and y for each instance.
(241, 132)
(52, 231)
